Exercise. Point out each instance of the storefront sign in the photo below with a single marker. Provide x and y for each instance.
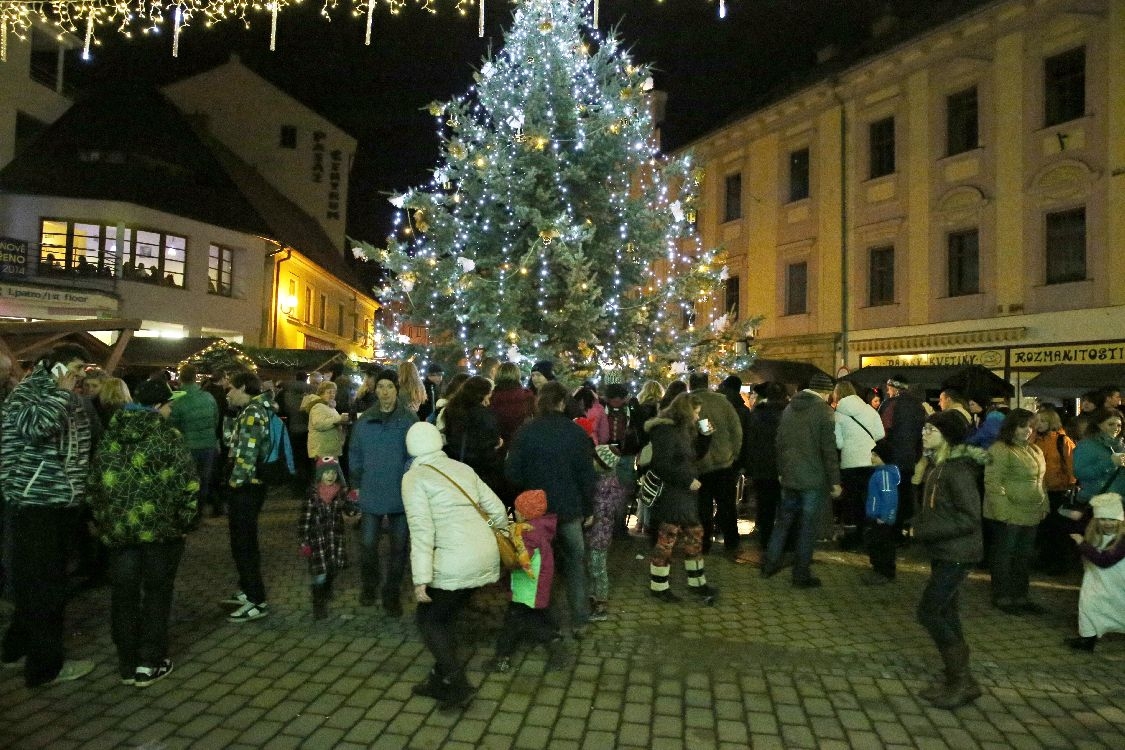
(20, 301)
(311, 342)
(1077, 354)
(13, 257)
(993, 359)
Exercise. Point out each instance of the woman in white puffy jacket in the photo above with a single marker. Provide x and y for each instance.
(858, 428)
(452, 552)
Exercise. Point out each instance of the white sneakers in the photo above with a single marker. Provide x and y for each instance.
(250, 611)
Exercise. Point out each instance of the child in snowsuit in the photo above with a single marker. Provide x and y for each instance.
(527, 618)
(321, 531)
(609, 501)
(1101, 602)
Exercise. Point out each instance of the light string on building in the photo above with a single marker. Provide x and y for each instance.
(86, 18)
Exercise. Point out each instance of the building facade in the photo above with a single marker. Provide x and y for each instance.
(33, 90)
(958, 197)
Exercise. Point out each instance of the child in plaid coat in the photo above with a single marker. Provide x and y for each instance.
(321, 531)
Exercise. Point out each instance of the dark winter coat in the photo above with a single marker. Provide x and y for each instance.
(759, 443)
(674, 461)
(322, 528)
(726, 440)
(290, 398)
(947, 520)
(903, 418)
(196, 415)
(474, 441)
(538, 536)
(45, 444)
(553, 454)
(142, 480)
(806, 444)
(513, 406)
(377, 458)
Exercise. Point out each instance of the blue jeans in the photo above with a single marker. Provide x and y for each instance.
(1013, 548)
(570, 550)
(806, 504)
(938, 610)
(371, 529)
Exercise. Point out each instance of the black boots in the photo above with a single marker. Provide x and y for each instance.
(320, 594)
(959, 687)
(451, 692)
(1083, 643)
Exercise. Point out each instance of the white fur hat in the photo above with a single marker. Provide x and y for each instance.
(1107, 506)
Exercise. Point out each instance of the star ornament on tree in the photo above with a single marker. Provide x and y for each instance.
(564, 204)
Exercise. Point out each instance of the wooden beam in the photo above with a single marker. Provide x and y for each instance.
(70, 326)
(118, 350)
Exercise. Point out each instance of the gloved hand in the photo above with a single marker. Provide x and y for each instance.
(306, 551)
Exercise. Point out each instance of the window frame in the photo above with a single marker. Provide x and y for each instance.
(732, 197)
(881, 137)
(800, 180)
(732, 298)
(110, 264)
(880, 276)
(217, 284)
(1049, 253)
(956, 251)
(962, 121)
(1064, 97)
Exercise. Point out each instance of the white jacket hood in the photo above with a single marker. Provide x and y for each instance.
(422, 439)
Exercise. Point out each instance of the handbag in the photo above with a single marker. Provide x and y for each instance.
(649, 488)
(505, 544)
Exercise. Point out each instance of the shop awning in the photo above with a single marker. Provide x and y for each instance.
(780, 371)
(969, 379)
(1071, 381)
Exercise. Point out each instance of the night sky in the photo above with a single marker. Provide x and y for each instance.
(712, 69)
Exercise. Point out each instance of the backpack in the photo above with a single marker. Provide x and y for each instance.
(276, 467)
(882, 494)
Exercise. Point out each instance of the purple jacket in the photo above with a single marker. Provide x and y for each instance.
(609, 499)
(539, 537)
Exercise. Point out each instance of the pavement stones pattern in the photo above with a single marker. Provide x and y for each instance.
(769, 667)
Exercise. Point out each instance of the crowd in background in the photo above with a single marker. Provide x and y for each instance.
(428, 469)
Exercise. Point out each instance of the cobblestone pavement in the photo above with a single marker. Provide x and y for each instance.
(769, 667)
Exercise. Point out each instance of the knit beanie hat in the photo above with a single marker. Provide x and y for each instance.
(325, 464)
(952, 425)
(820, 383)
(1107, 505)
(531, 504)
(387, 374)
(435, 369)
(546, 368)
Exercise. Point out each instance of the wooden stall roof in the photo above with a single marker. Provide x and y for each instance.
(29, 340)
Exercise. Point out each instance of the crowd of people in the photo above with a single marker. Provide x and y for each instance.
(436, 475)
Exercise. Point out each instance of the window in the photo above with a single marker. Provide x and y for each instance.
(881, 276)
(688, 320)
(340, 320)
(288, 136)
(307, 317)
(1064, 86)
(882, 138)
(799, 175)
(220, 270)
(322, 313)
(796, 288)
(961, 122)
(1066, 246)
(964, 262)
(82, 249)
(733, 206)
(732, 302)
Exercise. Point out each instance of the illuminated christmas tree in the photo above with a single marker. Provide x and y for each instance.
(553, 227)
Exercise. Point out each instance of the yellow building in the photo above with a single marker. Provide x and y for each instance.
(958, 197)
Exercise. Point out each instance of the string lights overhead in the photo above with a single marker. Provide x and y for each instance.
(87, 18)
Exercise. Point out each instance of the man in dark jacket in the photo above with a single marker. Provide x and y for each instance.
(809, 472)
(903, 418)
(196, 415)
(759, 455)
(292, 394)
(432, 384)
(44, 459)
(553, 454)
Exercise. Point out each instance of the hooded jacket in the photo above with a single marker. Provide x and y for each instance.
(759, 444)
(806, 444)
(377, 457)
(451, 546)
(142, 480)
(196, 415)
(858, 428)
(45, 442)
(674, 461)
(326, 436)
(251, 440)
(1013, 484)
(538, 536)
(947, 519)
(1094, 467)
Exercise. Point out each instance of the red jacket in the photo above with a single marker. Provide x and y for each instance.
(513, 405)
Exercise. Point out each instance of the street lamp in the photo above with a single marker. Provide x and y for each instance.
(287, 303)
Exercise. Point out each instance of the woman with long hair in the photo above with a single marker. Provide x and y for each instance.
(1056, 554)
(451, 387)
(677, 444)
(472, 435)
(411, 389)
(1015, 501)
(1099, 457)
(113, 395)
(675, 388)
(512, 404)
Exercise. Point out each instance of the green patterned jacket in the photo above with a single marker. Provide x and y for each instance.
(142, 481)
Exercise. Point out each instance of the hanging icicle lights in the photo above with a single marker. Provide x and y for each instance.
(85, 18)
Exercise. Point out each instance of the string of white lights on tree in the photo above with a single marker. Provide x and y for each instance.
(84, 17)
(553, 227)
